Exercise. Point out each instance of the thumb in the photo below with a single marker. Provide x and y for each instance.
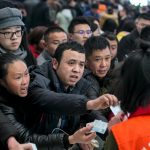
(12, 142)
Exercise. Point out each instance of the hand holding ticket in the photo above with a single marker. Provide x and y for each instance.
(115, 109)
(99, 126)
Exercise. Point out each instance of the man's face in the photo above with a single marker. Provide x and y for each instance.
(71, 67)
(113, 47)
(99, 62)
(81, 33)
(141, 23)
(54, 39)
(10, 38)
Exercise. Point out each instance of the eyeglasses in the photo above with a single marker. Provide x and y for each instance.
(9, 35)
(83, 32)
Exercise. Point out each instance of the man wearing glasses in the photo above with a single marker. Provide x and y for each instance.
(79, 30)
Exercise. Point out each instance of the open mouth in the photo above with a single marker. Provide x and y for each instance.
(73, 78)
(102, 71)
(24, 90)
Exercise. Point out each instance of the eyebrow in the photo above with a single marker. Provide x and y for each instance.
(104, 56)
(75, 60)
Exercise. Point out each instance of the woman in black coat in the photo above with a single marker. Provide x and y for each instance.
(14, 82)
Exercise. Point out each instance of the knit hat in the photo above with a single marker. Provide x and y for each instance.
(10, 17)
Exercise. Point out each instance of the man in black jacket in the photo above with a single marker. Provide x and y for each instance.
(49, 102)
(53, 85)
(128, 43)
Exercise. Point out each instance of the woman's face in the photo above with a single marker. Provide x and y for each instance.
(10, 38)
(17, 78)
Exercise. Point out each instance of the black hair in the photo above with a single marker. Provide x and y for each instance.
(109, 25)
(144, 41)
(134, 82)
(52, 29)
(110, 36)
(95, 43)
(128, 25)
(5, 60)
(77, 21)
(24, 43)
(71, 45)
(145, 16)
(91, 20)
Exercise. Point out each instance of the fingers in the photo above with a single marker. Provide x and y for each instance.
(86, 129)
(89, 137)
(83, 135)
(113, 121)
(27, 146)
(87, 134)
(86, 146)
(110, 99)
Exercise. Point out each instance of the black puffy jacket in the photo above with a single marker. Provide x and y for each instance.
(16, 124)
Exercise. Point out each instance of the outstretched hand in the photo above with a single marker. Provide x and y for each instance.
(83, 135)
(102, 102)
(117, 119)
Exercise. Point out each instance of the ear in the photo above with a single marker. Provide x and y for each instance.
(54, 63)
(70, 35)
(42, 44)
(86, 63)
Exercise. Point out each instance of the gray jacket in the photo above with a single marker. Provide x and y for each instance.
(43, 57)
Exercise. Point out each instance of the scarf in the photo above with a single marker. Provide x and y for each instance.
(19, 52)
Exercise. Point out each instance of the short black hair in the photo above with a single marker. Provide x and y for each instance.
(52, 29)
(95, 43)
(77, 21)
(110, 36)
(71, 45)
(145, 16)
(109, 25)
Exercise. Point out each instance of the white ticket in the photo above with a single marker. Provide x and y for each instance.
(99, 126)
(115, 109)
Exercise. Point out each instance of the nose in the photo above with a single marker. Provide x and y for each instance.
(86, 35)
(103, 63)
(13, 36)
(25, 80)
(76, 68)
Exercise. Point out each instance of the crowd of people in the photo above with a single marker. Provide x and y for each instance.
(64, 64)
